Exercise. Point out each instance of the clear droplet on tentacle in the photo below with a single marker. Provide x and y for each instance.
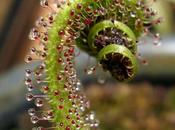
(78, 127)
(91, 120)
(92, 116)
(90, 71)
(34, 119)
(82, 108)
(31, 111)
(96, 123)
(133, 14)
(59, 3)
(39, 102)
(40, 22)
(78, 86)
(45, 89)
(38, 73)
(86, 118)
(44, 3)
(28, 59)
(28, 72)
(157, 41)
(34, 34)
(29, 97)
(51, 17)
(28, 81)
(33, 50)
(50, 115)
(38, 80)
(30, 87)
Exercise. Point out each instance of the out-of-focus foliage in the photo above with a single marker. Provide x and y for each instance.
(133, 107)
(165, 9)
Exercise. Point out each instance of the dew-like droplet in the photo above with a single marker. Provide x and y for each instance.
(31, 111)
(45, 89)
(92, 116)
(29, 97)
(86, 118)
(56, 93)
(50, 115)
(34, 119)
(57, 4)
(38, 80)
(59, 77)
(28, 59)
(39, 102)
(72, 12)
(70, 112)
(28, 72)
(30, 87)
(28, 81)
(78, 86)
(44, 3)
(34, 34)
(90, 71)
(96, 123)
(157, 43)
(82, 108)
(77, 127)
(61, 124)
(133, 14)
(32, 50)
(40, 22)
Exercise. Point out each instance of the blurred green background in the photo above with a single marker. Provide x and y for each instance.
(146, 103)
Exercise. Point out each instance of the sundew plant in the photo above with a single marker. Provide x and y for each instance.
(108, 30)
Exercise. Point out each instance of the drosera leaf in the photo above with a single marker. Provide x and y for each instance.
(105, 29)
